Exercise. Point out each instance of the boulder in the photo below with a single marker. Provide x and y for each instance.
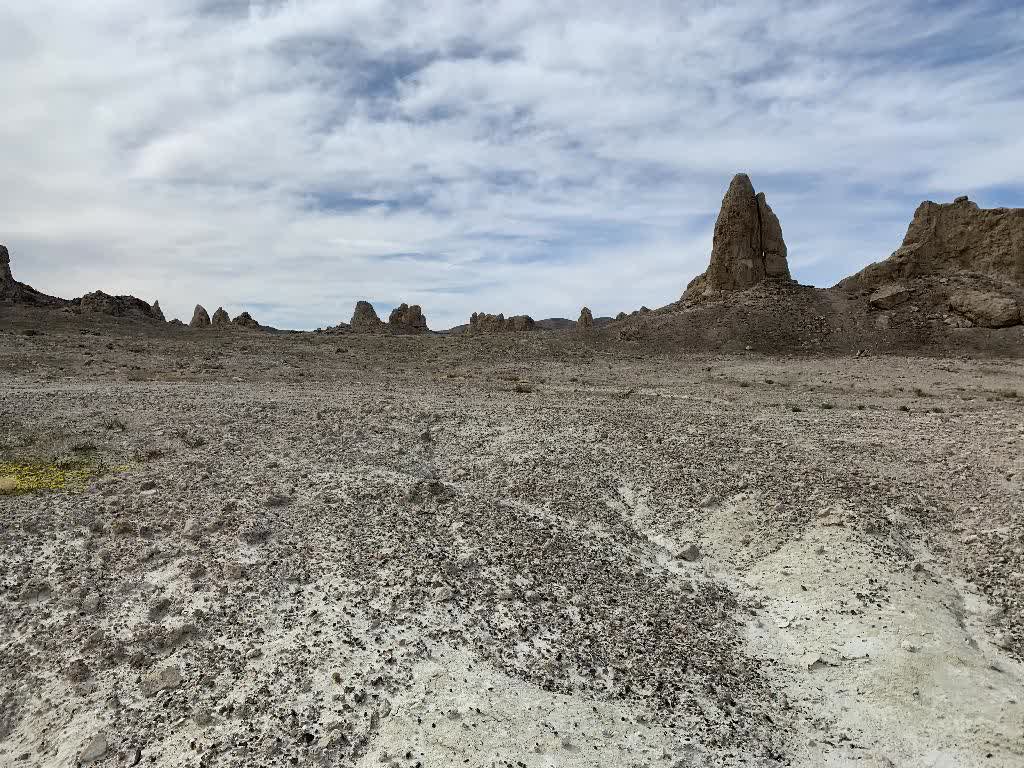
(586, 321)
(220, 317)
(748, 246)
(949, 238)
(245, 320)
(364, 318)
(407, 319)
(889, 296)
(200, 318)
(985, 308)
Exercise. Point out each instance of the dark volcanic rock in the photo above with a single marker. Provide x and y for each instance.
(407, 319)
(220, 317)
(748, 244)
(200, 317)
(365, 319)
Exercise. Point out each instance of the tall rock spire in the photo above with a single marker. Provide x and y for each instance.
(748, 246)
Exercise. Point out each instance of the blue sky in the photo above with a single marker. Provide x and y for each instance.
(291, 158)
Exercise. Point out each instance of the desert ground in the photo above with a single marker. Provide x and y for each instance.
(235, 548)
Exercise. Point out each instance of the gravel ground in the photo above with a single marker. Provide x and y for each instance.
(532, 550)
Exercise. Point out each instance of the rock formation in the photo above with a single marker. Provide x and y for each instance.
(953, 237)
(586, 321)
(5, 266)
(245, 320)
(748, 245)
(19, 293)
(220, 317)
(364, 318)
(99, 302)
(407, 319)
(481, 322)
(200, 317)
(157, 312)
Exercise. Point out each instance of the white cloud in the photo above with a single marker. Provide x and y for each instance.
(283, 156)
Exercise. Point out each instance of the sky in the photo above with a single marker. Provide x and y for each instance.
(520, 156)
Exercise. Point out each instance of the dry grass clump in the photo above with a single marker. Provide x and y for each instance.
(29, 477)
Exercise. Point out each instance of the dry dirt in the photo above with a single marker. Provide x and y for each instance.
(534, 550)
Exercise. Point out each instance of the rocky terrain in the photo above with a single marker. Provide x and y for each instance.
(766, 525)
(506, 549)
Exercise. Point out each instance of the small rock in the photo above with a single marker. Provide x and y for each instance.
(910, 647)
(233, 571)
(193, 530)
(278, 499)
(165, 679)
(815, 661)
(690, 553)
(94, 750)
(889, 296)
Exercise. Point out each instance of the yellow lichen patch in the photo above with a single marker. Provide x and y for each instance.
(16, 478)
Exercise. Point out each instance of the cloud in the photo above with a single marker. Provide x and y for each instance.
(501, 156)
